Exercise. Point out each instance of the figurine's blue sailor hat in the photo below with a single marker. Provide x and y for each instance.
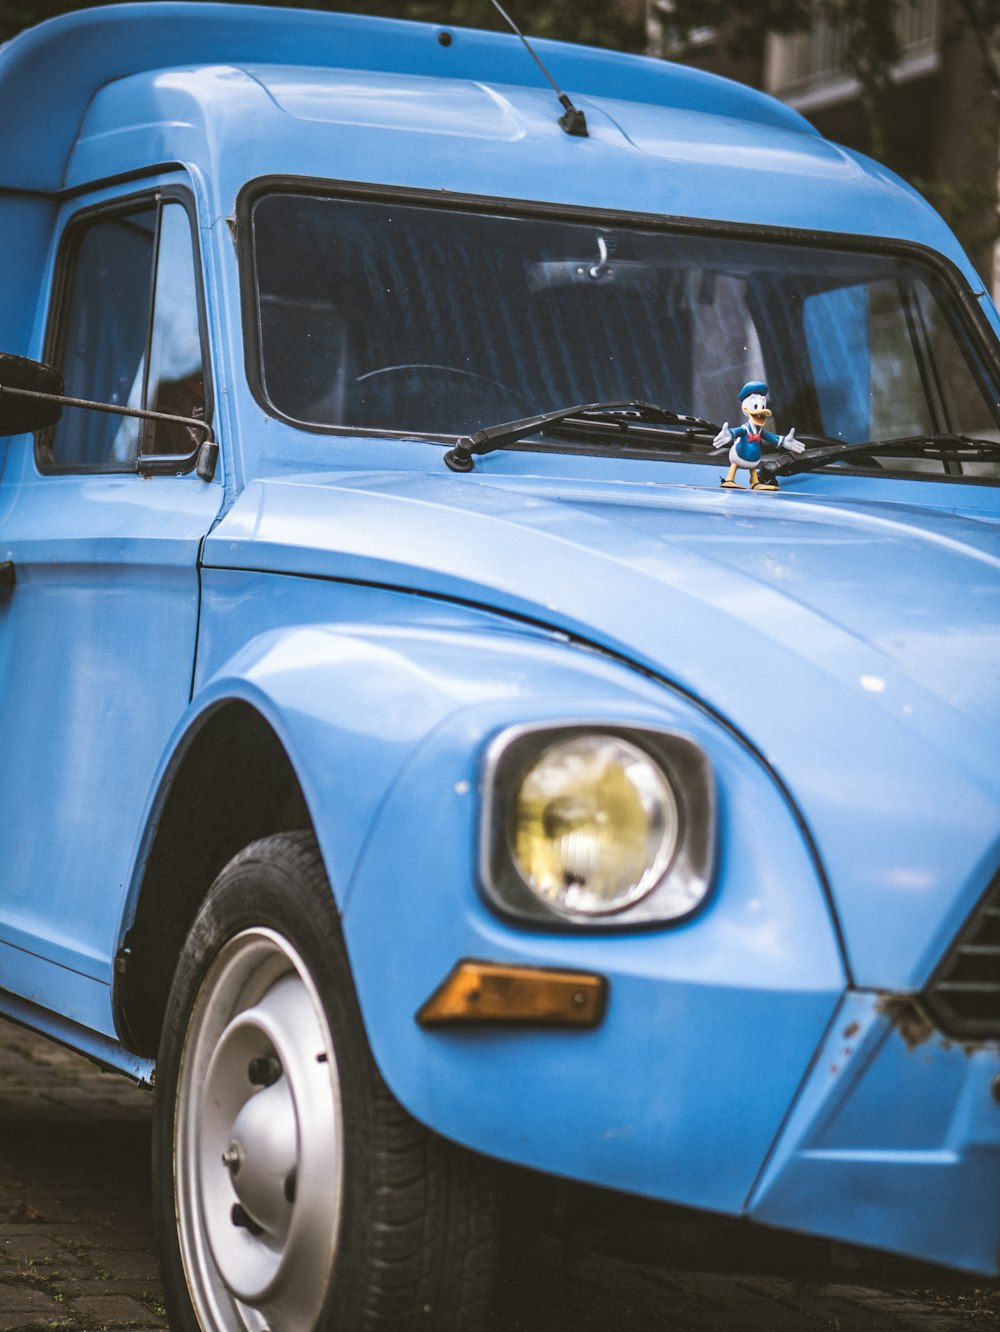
(755, 386)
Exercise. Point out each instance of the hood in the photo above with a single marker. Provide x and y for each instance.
(855, 645)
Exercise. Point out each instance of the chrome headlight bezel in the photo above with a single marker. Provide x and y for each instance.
(681, 888)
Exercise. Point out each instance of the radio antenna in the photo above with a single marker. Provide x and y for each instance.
(572, 120)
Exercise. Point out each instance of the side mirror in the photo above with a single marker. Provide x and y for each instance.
(32, 397)
(20, 379)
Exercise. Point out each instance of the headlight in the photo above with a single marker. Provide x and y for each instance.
(615, 825)
(594, 825)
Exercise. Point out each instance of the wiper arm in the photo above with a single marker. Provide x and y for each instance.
(460, 458)
(941, 443)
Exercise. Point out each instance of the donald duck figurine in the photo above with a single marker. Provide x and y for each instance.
(746, 440)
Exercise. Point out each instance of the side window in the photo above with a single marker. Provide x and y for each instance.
(863, 329)
(908, 374)
(128, 334)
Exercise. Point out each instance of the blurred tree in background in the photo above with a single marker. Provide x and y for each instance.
(872, 45)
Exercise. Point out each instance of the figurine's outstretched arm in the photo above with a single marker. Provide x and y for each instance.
(790, 443)
(725, 436)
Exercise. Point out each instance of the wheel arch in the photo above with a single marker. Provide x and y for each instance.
(231, 782)
(309, 727)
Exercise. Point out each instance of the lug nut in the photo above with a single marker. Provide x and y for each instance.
(232, 1158)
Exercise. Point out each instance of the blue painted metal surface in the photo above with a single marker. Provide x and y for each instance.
(386, 704)
(109, 1053)
(912, 672)
(834, 650)
(100, 632)
(895, 1124)
(87, 50)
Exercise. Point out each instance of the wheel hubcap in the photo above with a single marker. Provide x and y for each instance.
(258, 1143)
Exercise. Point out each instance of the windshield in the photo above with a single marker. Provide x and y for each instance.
(419, 319)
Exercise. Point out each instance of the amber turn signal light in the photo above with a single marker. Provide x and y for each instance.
(501, 992)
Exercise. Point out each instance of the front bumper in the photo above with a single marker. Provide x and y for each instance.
(894, 1141)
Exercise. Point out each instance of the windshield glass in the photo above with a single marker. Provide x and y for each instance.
(413, 318)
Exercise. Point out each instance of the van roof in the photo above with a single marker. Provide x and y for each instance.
(239, 92)
(80, 52)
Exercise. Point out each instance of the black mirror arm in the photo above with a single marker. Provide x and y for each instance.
(204, 457)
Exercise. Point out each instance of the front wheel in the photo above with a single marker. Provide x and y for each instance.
(293, 1193)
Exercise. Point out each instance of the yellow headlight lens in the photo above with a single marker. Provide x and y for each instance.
(595, 824)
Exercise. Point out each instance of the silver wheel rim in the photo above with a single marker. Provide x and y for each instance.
(258, 1145)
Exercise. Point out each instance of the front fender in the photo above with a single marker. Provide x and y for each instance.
(711, 1024)
(385, 703)
(353, 680)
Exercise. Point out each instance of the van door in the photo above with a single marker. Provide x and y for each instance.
(100, 624)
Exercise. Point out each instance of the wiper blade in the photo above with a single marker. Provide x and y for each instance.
(619, 425)
(940, 444)
(460, 458)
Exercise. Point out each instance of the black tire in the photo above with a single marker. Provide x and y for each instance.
(334, 1209)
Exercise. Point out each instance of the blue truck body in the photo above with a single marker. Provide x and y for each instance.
(337, 605)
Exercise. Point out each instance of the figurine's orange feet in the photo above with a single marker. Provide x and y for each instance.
(757, 484)
(730, 485)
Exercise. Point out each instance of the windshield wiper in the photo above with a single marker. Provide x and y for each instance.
(940, 444)
(623, 414)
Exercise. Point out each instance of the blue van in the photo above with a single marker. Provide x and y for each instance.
(504, 664)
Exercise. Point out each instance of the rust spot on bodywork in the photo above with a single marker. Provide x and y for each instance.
(851, 1030)
(906, 1015)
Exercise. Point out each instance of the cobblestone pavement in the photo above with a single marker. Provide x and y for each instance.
(76, 1243)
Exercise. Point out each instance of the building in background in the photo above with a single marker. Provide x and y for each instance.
(941, 125)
